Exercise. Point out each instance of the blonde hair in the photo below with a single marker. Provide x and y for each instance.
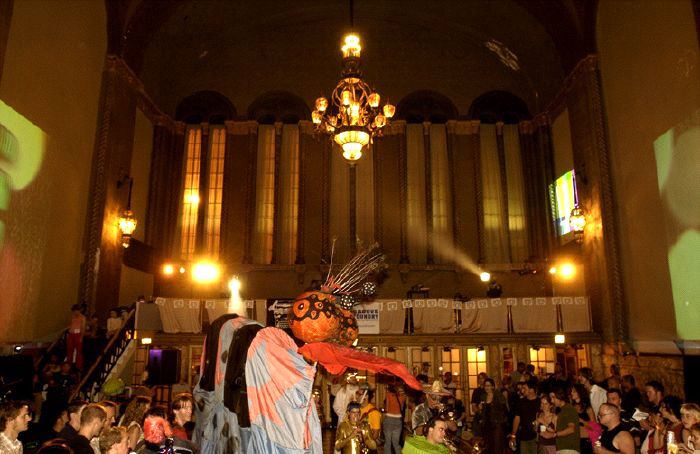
(692, 409)
(110, 437)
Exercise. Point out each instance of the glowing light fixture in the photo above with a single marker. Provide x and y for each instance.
(484, 276)
(234, 285)
(168, 269)
(559, 338)
(567, 270)
(146, 341)
(205, 272)
(127, 222)
(577, 221)
(353, 117)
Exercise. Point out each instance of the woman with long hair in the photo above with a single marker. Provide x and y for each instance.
(546, 421)
(133, 415)
(582, 404)
(494, 411)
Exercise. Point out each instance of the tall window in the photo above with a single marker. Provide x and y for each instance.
(190, 203)
(194, 184)
(495, 235)
(415, 209)
(476, 363)
(289, 196)
(543, 358)
(451, 363)
(217, 137)
(265, 195)
(440, 191)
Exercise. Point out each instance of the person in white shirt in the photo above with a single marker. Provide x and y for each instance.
(14, 418)
(598, 395)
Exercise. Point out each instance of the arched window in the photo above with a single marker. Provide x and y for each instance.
(278, 114)
(503, 219)
(205, 149)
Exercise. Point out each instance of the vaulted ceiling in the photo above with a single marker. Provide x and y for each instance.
(458, 48)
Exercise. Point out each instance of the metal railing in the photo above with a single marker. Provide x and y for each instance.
(105, 362)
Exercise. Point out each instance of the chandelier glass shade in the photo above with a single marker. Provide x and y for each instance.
(353, 116)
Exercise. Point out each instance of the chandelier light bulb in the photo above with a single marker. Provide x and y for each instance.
(321, 104)
(373, 100)
(380, 121)
(316, 117)
(345, 97)
(352, 47)
(389, 110)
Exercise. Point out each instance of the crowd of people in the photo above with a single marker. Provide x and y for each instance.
(527, 414)
(105, 427)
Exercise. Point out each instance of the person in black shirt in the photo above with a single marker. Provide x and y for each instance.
(70, 430)
(92, 421)
(615, 438)
(525, 415)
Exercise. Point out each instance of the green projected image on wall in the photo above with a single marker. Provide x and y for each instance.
(678, 170)
(21, 153)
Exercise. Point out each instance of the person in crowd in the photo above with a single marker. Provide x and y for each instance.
(344, 396)
(353, 435)
(111, 409)
(494, 412)
(70, 430)
(51, 368)
(631, 396)
(395, 408)
(670, 409)
(92, 421)
(14, 418)
(530, 369)
(76, 332)
(568, 440)
(430, 408)
(131, 421)
(518, 373)
(476, 399)
(368, 412)
(690, 415)
(448, 383)
(630, 424)
(692, 445)
(525, 414)
(654, 392)
(182, 407)
(582, 404)
(114, 441)
(114, 322)
(614, 376)
(596, 394)
(615, 437)
(655, 440)
(433, 442)
(62, 385)
(546, 421)
(56, 420)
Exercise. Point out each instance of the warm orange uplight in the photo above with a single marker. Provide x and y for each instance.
(168, 269)
(205, 272)
(567, 270)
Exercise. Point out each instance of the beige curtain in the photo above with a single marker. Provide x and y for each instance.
(264, 195)
(416, 212)
(440, 190)
(494, 231)
(533, 315)
(179, 315)
(339, 225)
(517, 222)
(289, 197)
(575, 314)
(391, 319)
(364, 193)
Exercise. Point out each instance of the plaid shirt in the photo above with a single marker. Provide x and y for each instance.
(8, 446)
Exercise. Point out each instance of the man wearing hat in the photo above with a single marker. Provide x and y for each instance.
(430, 408)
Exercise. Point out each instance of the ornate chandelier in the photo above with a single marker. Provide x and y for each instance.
(353, 117)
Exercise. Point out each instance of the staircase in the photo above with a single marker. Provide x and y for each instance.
(110, 363)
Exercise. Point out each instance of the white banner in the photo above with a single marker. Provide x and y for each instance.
(367, 316)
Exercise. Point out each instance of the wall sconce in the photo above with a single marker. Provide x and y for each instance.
(577, 221)
(127, 221)
(559, 338)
